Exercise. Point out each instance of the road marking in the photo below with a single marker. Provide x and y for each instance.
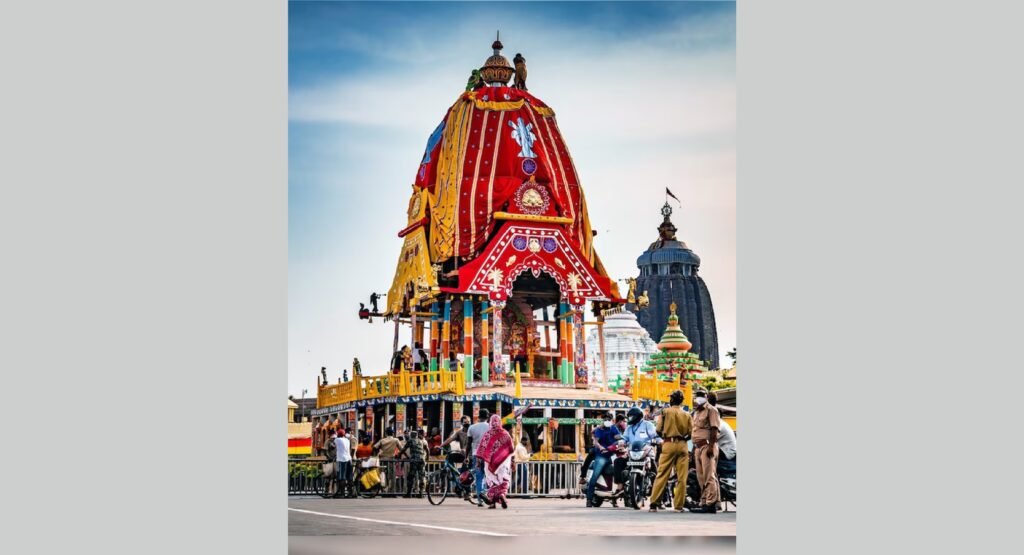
(446, 528)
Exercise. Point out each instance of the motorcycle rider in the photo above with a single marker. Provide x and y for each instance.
(675, 427)
(592, 452)
(637, 428)
(605, 437)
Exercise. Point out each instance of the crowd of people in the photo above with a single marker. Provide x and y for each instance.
(486, 449)
(678, 435)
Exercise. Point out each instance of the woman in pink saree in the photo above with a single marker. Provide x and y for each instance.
(496, 451)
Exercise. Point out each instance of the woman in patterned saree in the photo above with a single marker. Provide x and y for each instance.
(496, 450)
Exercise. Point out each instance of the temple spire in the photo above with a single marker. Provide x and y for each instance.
(667, 231)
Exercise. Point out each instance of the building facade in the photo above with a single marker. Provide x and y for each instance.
(624, 340)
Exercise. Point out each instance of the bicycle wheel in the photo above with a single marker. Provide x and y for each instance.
(367, 493)
(437, 487)
(325, 487)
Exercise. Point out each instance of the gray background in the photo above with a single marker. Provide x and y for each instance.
(142, 164)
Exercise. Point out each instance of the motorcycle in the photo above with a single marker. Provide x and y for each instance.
(604, 488)
(726, 484)
(642, 469)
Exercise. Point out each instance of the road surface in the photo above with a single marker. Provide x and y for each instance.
(313, 516)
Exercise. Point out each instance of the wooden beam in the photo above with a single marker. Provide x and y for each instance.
(531, 218)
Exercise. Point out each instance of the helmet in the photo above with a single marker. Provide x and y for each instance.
(635, 415)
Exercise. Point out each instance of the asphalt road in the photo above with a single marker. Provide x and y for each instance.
(313, 516)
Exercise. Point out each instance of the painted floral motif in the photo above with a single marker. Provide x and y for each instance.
(495, 275)
(574, 282)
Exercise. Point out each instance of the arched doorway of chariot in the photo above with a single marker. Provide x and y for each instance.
(533, 325)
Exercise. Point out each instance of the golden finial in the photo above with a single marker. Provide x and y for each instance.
(672, 308)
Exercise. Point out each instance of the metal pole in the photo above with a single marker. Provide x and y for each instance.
(600, 343)
(485, 375)
(467, 338)
(394, 347)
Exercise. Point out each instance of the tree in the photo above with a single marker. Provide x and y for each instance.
(732, 354)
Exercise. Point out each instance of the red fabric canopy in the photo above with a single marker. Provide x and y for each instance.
(491, 142)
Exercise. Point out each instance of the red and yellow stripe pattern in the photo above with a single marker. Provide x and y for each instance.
(300, 446)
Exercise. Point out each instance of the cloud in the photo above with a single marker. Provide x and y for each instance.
(646, 88)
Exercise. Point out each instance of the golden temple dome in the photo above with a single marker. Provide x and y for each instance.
(497, 70)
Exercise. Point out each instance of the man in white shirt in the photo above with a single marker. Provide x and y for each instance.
(726, 442)
(343, 448)
(476, 432)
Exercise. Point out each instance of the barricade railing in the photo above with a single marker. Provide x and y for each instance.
(531, 479)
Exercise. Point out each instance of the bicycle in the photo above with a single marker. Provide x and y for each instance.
(359, 489)
(439, 482)
(328, 483)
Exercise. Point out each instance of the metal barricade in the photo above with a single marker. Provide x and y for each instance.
(305, 477)
(530, 479)
(546, 479)
(396, 472)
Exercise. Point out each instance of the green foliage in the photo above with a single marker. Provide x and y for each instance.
(713, 383)
(309, 470)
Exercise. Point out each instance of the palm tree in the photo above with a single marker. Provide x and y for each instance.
(732, 354)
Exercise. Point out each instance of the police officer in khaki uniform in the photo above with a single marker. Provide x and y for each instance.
(674, 427)
(705, 452)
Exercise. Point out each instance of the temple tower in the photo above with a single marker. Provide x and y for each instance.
(668, 274)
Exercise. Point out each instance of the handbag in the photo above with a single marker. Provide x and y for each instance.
(329, 469)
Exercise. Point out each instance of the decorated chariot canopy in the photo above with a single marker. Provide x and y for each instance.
(496, 196)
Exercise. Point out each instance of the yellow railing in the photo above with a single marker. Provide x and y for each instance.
(403, 383)
(651, 388)
(335, 394)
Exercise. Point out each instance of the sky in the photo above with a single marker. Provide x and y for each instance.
(644, 95)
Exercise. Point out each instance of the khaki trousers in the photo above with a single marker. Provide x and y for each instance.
(673, 455)
(706, 473)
